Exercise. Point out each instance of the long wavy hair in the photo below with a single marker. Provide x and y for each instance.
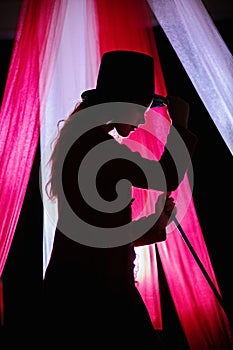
(88, 100)
(52, 184)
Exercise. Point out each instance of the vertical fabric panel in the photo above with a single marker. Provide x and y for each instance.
(204, 55)
(127, 26)
(20, 110)
(209, 66)
(75, 70)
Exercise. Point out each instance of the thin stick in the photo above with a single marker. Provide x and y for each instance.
(183, 235)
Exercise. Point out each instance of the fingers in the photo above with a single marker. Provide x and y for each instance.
(166, 204)
(169, 205)
(170, 209)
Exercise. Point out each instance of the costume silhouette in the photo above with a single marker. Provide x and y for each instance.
(89, 291)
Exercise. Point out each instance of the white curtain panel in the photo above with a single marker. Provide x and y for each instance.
(78, 50)
(203, 54)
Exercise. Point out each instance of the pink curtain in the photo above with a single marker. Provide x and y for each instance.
(122, 25)
(34, 49)
(128, 27)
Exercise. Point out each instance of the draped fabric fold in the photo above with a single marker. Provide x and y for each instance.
(34, 49)
(56, 56)
(208, 64)
(128, 27)
(75, 70)
(204, 55)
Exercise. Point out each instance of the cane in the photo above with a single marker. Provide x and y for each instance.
(185, 238)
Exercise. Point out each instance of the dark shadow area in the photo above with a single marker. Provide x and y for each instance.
(23, 271)
(6, 47)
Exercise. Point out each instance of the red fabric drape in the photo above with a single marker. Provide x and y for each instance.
(128, 27)
(20, 110)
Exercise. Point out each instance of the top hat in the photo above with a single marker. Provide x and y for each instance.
(124, 76)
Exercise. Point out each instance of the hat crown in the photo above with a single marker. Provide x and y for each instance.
(126, 75)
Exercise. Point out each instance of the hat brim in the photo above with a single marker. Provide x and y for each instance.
(157, 100)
